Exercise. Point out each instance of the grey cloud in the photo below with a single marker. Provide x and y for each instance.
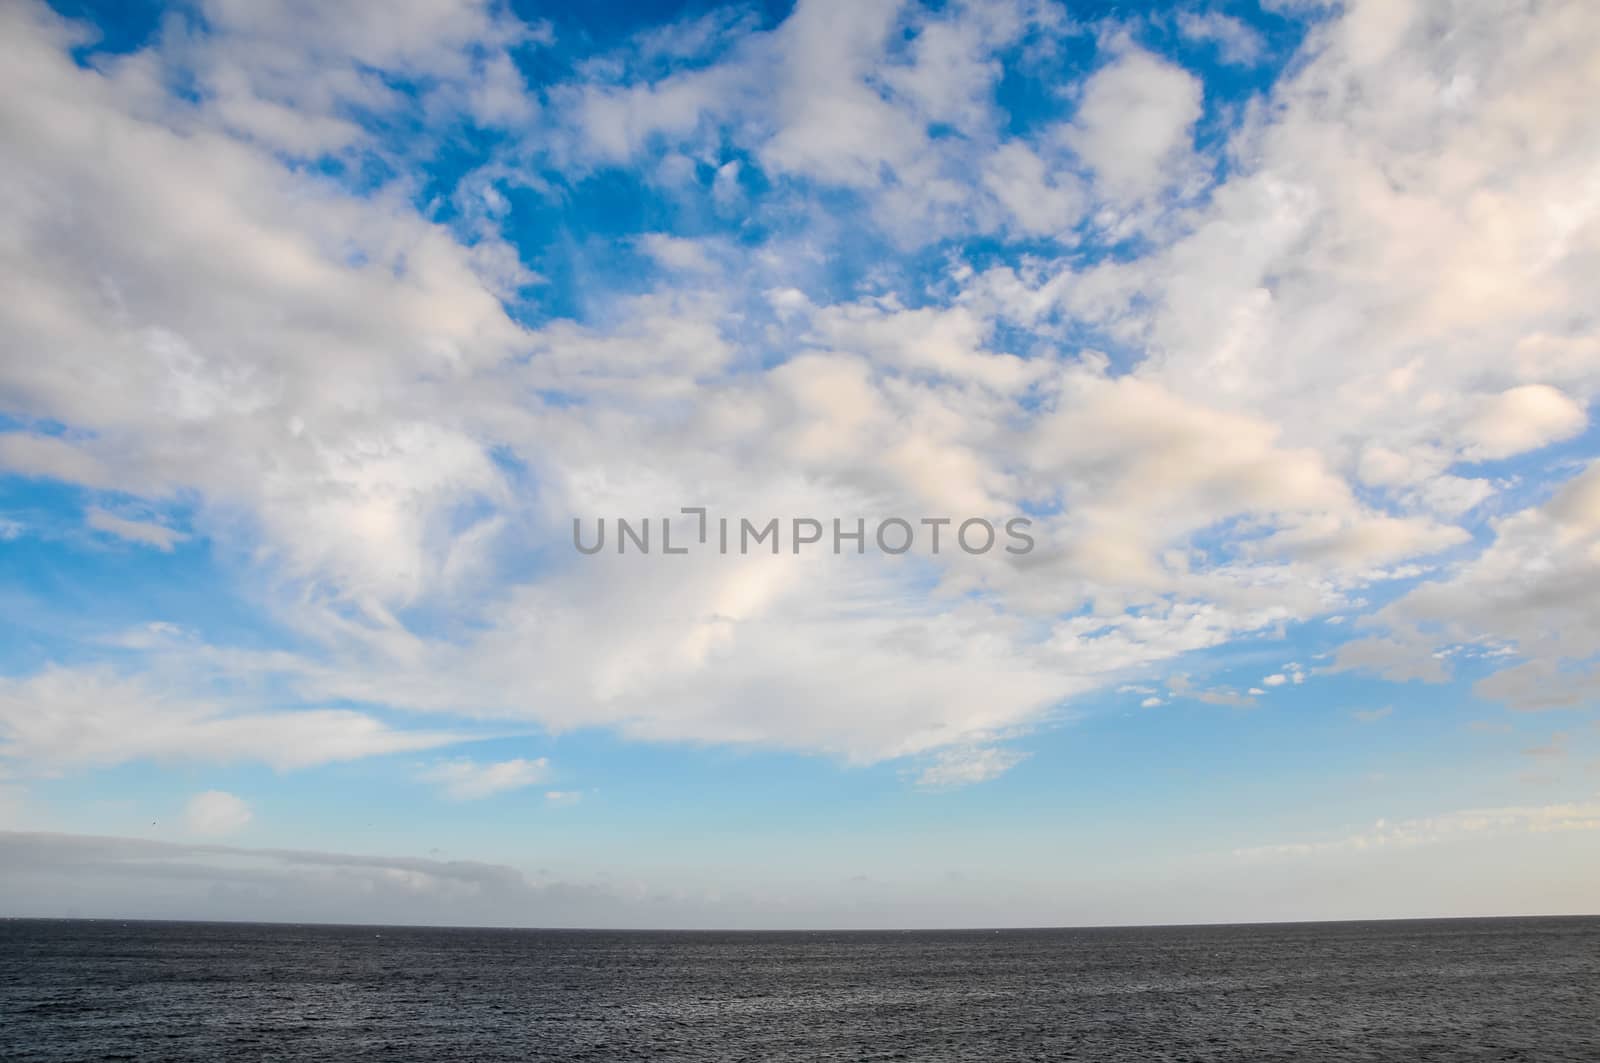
(1537, 685)
(1391, 659)
(60, 874)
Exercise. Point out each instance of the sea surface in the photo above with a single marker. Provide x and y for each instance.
(1482, 989)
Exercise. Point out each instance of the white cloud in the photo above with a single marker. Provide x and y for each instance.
(1530, 590)
(1182, 687)
(1391, 659)
(61, 717)
(1431, 830)
(1520, 419)
(1393, 277)
(1236, 43)
(969, 765)
(468, 780)
(299, 76)
(674, 252)
(1134, 124)
(834, 126)
(215, 812)
(136, 531)
(46, 456)
(266, 395)
(1037, 200)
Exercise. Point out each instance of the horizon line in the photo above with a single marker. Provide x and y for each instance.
(792, 930)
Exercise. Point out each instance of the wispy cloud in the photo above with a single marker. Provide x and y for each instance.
(1235, 41)
(965, 767)
(1555, 749)
(468, 780)
(147, 533)
(83, 717)
(1409, 833)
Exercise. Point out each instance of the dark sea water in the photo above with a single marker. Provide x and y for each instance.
(1487, 989)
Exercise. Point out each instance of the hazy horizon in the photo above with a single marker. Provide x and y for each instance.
(71, 876)
(535, 928)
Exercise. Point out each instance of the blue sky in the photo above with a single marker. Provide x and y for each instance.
(325, 322)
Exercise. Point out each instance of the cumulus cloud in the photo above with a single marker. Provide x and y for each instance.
(1134, 124)
(215, 812)
(1037, 200)
(1529, 592)
(301, 282)
(1230, 411)
(1522, 418)
(301, 77)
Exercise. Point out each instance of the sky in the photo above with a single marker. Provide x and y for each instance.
(324, 325)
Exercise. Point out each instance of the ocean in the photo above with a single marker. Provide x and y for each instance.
(1478, 989)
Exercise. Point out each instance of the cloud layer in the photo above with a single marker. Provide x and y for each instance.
(1248, 361)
